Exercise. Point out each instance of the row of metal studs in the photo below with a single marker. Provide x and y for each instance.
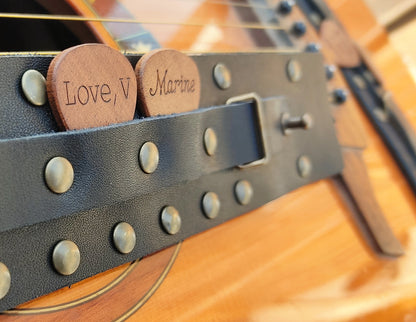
(66, 256)
(59, 176)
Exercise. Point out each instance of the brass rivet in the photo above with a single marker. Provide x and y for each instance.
(59, 175)
(222, 76)
(34, 87)
(124, 237)
(243, 192)
(171, 220)
(210, 141)
(304, 166)
(149, 157)
(66, 257)
(5, 280)
(294, 70)
(211, 205)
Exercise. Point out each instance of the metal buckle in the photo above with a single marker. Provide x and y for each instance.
(260, 119)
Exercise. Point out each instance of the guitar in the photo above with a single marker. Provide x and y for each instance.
(303, 256)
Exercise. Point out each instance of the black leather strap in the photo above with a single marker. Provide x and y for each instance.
(110, 187)
(106, 166)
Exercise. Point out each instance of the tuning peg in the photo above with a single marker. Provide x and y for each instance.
(285, 7)
(299, 28)
(339, 96)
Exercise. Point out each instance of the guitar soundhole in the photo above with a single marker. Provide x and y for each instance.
(127, 288)
(20, 34)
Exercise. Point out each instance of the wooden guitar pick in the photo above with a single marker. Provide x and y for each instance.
(91, 85)
(168, 82)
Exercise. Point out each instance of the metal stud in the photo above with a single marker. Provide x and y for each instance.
(210, 141)
(299, 28)
(294, 70)
(312, 47)
(171, 221)
(34, 87)
(330, 71)
(124, 237)
(5, 280)
(288, 122)
(211, 205)
(339, 96)
(222, 76)
(59, 175)
(149, 157)
(66, 257)
(304, 166)
(285, 7)
(243, 192)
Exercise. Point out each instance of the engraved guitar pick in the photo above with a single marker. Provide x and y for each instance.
(91, 85)
(168, 82)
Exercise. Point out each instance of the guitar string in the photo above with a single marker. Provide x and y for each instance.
(288, 50)
(227, 3)
(132, 21)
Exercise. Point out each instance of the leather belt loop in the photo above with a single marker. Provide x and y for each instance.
(260, 118)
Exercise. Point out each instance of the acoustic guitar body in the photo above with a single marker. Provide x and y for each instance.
(306, 256)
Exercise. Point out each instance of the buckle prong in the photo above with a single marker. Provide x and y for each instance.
(260, 118)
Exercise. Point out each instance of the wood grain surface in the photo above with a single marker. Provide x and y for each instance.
(167, 82)
(355, 178)
(339, 45)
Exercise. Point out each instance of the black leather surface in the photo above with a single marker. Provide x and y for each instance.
(110, 187)
(106, 165)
